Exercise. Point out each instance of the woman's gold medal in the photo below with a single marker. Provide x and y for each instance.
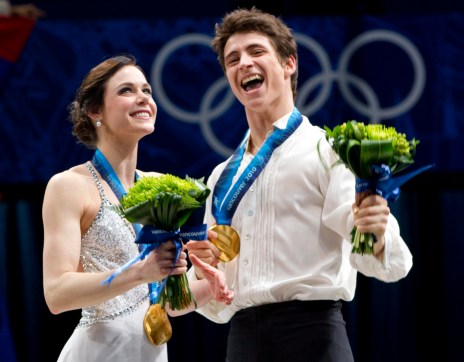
(156, 324)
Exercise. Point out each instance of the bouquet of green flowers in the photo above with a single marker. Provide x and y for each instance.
(163, 204)
(374, 153)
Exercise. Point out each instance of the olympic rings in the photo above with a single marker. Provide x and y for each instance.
(323, 81)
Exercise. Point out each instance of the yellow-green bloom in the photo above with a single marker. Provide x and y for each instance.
(360, 145)
(165, 201)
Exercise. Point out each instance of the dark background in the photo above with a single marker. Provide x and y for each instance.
(149, 9)
(412, 320)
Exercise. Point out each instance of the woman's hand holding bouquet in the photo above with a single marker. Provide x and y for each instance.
(163, 204)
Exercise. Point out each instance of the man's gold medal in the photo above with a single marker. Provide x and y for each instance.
(227, 241)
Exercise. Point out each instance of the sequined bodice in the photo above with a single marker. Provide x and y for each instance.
(107, 245)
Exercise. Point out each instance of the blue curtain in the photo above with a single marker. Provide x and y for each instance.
(403, 70)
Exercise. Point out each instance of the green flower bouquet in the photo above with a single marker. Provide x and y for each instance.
(374, 153)
(163, 204)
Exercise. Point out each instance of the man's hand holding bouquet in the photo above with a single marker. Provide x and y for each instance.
(374, 153)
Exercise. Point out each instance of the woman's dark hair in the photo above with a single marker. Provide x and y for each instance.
(89, 97)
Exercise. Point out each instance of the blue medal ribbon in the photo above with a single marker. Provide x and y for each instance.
(227, 198)
(106, 171)
(104, 168)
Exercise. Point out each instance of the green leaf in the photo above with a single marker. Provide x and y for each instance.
(352, 157)
(374, 152)
(139, 213)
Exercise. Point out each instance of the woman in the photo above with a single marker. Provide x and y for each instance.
(86, 240)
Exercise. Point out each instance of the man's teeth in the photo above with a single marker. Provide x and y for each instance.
(250, 79)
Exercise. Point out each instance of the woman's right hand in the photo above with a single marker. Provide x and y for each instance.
(160, 262)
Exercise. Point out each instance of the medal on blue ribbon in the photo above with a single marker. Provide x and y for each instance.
(226, 196)
(156, 323)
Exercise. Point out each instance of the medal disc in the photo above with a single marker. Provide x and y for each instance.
(156, 324)
(227, 241)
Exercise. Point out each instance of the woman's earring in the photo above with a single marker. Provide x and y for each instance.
(98, 123)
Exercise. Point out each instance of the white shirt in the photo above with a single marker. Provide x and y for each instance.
(294, 223)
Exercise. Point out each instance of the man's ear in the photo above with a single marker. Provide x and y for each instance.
(290, 65)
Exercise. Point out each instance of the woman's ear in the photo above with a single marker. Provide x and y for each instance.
(94, 116)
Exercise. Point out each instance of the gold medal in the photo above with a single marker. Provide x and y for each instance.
(227, 241)
(156, 324)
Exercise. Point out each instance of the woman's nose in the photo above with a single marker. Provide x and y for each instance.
(143, 97)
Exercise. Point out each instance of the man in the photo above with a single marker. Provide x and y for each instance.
(292, 215)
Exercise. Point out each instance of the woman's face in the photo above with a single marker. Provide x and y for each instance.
(128, 111)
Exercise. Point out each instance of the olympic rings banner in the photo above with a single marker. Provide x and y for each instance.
(404, 71)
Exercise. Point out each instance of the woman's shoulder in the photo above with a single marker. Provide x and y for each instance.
(74, 174)
(74, 178)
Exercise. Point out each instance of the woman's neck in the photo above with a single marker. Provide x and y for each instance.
(123, 162)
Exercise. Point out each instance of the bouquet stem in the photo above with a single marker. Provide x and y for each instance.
(177, 292)
(363, 243)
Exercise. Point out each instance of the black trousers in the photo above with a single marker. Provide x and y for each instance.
(295, 331)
